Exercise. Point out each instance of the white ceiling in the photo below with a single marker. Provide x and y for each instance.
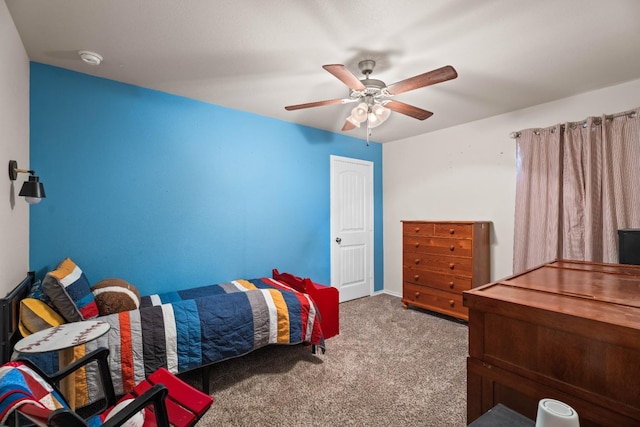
(258, 56)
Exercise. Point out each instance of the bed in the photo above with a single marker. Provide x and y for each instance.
(9, 316)
(191, 330)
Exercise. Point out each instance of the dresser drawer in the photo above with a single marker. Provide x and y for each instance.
(453, 230)
(417, 229)
(437, 246)
(441, 260)
(442, 281)
(439, 263)
(434, 299)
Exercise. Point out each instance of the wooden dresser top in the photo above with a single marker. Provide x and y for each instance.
(605, 293)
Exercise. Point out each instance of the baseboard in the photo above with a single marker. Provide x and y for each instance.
(393, 294)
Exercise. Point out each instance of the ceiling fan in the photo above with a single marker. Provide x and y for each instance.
(374, 97)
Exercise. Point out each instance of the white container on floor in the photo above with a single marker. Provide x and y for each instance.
(553, 413)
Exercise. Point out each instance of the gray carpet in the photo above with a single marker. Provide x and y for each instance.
(388, 367)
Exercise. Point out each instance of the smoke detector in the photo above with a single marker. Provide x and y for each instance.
(89, 57)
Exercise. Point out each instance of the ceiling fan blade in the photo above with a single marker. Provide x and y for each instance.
(316, 104)
(345, 76)
(432, 77)
(408, 110)
(348, 126)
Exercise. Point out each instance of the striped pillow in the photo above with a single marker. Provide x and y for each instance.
(36, 316)
(69, 289)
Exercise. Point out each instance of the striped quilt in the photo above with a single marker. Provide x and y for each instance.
(225, 321)
(209, 290)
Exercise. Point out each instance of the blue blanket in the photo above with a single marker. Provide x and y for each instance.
(190, 333)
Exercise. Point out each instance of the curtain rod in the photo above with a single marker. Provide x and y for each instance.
(630, 115)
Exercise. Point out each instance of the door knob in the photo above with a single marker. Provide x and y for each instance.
(338, 240)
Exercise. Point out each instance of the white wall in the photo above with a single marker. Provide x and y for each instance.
(14, 145)
(467, 172)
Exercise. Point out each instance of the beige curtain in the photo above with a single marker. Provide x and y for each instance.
(576, 185)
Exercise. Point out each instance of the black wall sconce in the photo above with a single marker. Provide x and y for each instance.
(32, 190)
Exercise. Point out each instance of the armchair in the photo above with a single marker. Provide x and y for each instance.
(164, 398)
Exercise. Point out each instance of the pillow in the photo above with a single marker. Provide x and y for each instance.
(35, 315)
(68, 288)
(37, 291)
(114, 296)
(136, 420)
(297, 283)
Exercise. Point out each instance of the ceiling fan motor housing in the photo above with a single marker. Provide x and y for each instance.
(367, 66)
(373, 86)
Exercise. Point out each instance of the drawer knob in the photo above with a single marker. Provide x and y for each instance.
(452, 265)
(417, 294)
(417, 261)
(450, 285)
(416, 277)
(452, 231)
(452, 248)
(417, 229)
(452, 302)
(417, 245)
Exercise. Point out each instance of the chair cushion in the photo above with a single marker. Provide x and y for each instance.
(185, 404)
(181, 392)
(69, 289)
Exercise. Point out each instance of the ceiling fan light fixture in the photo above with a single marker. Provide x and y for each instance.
(359, 113)
(382, 113)
(378, 115)
(373, 121)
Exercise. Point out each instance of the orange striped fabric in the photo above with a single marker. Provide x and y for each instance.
(283, 316)
(126, 353)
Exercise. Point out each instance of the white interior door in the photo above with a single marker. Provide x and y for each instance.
(351, 227)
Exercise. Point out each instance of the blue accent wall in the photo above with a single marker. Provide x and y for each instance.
(167, 192)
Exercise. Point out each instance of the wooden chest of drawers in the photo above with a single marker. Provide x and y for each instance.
(441, 260)
(566, 330)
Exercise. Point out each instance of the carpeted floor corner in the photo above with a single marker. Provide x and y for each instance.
(388, 367)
